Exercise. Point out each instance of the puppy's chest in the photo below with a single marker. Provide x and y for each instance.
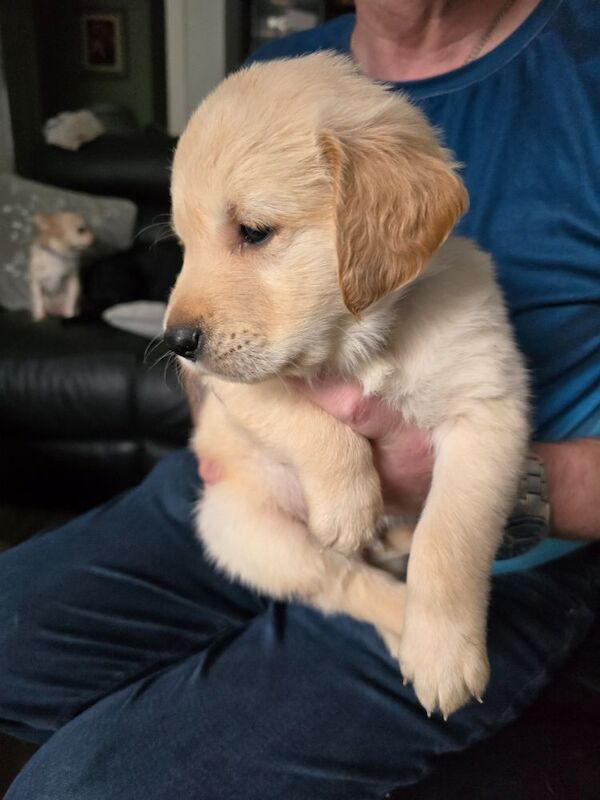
(52, 272)
(403, 386)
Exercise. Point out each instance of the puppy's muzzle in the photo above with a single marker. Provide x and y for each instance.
(185, 342)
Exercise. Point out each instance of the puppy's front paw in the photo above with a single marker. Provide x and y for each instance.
(347, 525)
(445, 659)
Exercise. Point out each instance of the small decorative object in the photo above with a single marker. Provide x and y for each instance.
(272, 19)
(103, 42)
(71, 129)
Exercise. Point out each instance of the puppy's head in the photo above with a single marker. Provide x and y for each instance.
(67, 228)
(303, 194)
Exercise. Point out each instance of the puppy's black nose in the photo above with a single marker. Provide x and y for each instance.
(186, 342)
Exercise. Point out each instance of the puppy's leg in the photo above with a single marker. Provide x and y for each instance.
(255, 542)
(248, 537)
(389, 551)
(70, 298)
(335, 465)
(365, 593)
(478, 462)
(38, 312)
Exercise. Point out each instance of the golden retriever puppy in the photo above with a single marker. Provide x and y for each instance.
(315, 208)
(54, 263)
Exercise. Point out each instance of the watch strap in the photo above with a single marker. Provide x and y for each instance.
(529, 523)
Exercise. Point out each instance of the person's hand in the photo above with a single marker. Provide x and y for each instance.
(401, 452)
(404, 459)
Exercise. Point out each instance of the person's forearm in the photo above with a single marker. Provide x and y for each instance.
(573, 477)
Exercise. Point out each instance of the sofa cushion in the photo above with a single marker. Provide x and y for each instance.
(137, 166)
(82, 411)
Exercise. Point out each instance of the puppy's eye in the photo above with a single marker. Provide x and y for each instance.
(81, 229)
(255, 235)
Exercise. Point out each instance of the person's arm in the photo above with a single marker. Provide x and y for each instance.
(573, 478)
(404, 459)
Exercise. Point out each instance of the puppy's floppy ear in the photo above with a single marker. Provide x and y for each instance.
(397, 197)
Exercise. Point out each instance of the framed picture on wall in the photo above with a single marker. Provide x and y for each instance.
(103, 42)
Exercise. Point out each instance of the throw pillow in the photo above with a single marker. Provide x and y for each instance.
(111, 219)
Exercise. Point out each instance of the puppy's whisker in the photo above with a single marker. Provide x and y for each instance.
(151, 346)
(156, 224)
(164, 238)
(149, 227)
(162, 357)
(172, 359)
(167, 235)
(179, 374)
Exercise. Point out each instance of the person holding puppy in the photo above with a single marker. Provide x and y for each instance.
(143, 671)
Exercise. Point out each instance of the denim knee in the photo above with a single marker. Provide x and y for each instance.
(27, 709)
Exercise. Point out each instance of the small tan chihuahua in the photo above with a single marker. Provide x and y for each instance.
(54, 263)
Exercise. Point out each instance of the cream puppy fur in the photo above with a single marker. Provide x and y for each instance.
(314, 207)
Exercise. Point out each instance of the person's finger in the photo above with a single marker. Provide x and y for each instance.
(404, 460)
(368, 416)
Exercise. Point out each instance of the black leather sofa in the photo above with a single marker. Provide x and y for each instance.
(83, 413)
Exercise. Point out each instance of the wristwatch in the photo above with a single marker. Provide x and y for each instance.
(529, 523)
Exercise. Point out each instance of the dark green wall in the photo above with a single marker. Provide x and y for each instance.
(66, 86)
(41, 47)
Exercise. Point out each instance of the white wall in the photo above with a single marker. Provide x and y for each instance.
(195, 55)
(6, 141)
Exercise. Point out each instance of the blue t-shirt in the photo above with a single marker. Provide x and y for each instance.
(524, 120)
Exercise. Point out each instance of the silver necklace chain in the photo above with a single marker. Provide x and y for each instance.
(490, 31)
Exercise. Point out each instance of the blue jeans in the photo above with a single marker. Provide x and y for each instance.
(146, 674)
